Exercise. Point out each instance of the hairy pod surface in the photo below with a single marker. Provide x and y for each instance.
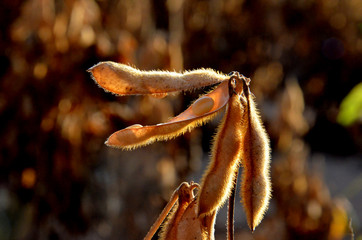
(255, 186)
(219, 178)
(122, 79)
(138, 135)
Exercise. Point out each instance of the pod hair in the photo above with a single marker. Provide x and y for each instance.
(255, 186)
(219, 178)
(122, 79)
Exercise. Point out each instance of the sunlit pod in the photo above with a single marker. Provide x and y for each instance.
(138, 136)
(122, 79)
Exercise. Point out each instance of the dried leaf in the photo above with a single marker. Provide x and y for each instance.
(125, 80)
(136, 136)
(219, 178)
(256, 186)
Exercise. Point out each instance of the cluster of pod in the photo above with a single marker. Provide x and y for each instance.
(240, 140)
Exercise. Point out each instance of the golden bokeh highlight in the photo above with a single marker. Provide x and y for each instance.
(28, 178)
(40, 70)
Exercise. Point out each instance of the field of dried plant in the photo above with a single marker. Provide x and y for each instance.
(60, 181)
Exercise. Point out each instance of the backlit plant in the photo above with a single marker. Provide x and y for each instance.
(240, 140)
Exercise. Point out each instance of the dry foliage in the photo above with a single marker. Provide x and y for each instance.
(241, 139)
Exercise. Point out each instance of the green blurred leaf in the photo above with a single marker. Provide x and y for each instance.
(351, 107)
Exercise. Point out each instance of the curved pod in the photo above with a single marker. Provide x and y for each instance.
(138, 136)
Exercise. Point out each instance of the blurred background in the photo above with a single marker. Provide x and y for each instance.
(59, 181)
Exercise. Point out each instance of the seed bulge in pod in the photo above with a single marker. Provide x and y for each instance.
(202, 105)
(134, 126)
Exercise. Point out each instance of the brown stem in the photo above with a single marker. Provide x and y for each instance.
(162, 216)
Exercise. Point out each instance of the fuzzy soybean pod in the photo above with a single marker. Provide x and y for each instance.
(220, 176)
(201, 111)
(255, 186)
(122, 79)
